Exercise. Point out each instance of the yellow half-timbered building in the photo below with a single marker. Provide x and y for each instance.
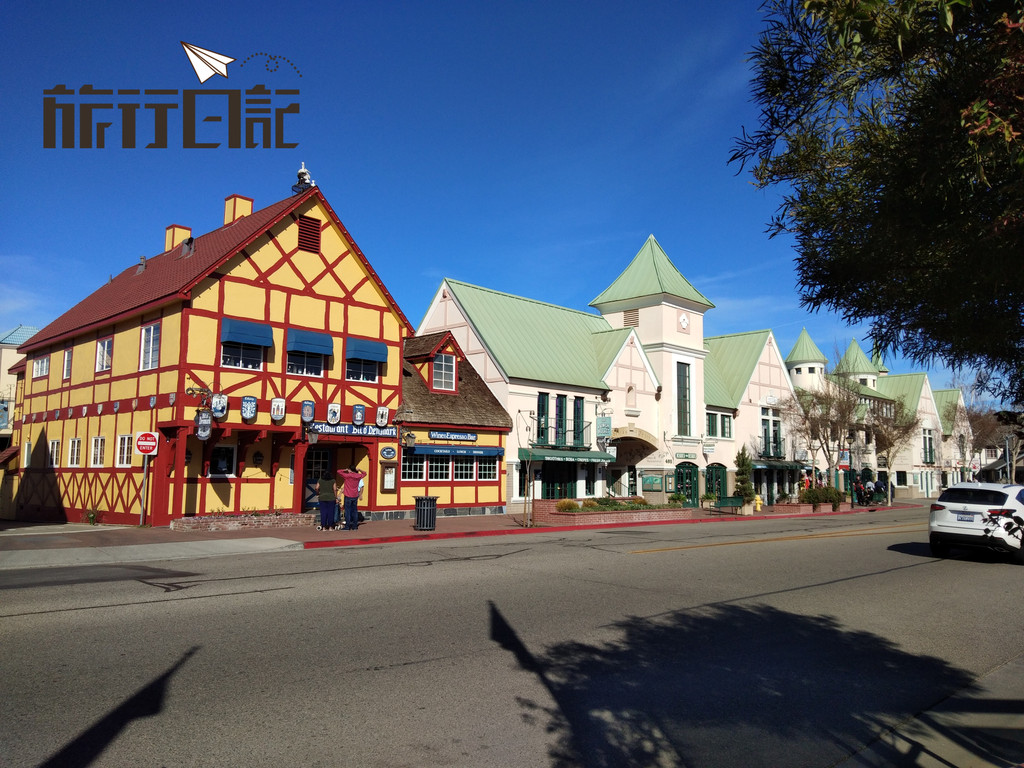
(261, 355)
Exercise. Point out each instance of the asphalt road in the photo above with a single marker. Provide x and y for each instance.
(771, 643)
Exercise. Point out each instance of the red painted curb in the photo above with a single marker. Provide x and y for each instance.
(427, 536)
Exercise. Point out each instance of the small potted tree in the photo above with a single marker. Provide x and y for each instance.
(744, 487)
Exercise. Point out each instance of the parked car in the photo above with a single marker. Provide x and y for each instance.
(987, 515)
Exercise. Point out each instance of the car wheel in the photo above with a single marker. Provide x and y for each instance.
(939, 548)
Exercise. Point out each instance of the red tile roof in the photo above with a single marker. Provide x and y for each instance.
(167, 276)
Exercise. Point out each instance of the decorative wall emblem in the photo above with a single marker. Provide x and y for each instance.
(85, 410)
(219, 406)
(56, 414)
(171, 398)
(334, 413)
(307, 411)
(248, 407)
(358, 415)
(277, 408)
(117, 406)
(382, 415)
(99, 408)
(135, 403)
(70, 412)
(152, 401)
(388, 452)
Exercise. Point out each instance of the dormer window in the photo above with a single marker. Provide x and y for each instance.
(443, 376)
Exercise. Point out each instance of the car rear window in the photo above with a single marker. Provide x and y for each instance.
(973, 496)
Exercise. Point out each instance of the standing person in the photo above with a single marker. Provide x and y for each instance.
(350, 490)
(327, 495)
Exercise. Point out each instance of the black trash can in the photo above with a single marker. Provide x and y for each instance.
(426, 513)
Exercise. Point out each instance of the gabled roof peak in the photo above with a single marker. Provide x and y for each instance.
(650, 274)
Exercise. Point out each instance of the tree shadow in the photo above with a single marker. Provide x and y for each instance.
(146, 702)
(726, 686)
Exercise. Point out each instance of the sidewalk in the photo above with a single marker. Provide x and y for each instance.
(41, 545)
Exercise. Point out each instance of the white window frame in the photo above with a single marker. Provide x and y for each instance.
(487, 468)
(443, 374)
(460, 465)
(53, 454)
(67, 364)
(435, 465)
(104, 354)
(27, 457)
(124, 451)
(413, 466)
(245, 352)
(97, 451)
(75, 452)
(299, 364)
(149, 346)
(41, 367)
(362, 370)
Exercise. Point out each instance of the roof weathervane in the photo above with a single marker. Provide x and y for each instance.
(304, 182)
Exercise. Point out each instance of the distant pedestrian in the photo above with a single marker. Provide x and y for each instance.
(327, 496)
(350, 491)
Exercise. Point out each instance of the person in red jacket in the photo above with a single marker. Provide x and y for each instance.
(350, 490)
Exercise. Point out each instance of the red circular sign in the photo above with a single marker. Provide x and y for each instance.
(146, 443)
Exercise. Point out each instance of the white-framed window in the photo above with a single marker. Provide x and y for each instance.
(444, 372)
(223, 460)
(439, 468)
(465, 468)
(99, 448)
(726, 425)
(75, 452)
(305, 363)
(53, 457)
(104, 354)
(124, 450)
(41, 367)
(412, 466)
(234, 354)
(361, 370)
(149, 347)
(487, 468)
(67, 364)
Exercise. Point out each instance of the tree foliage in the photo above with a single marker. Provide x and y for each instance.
(824, 418)
(894, 128)
(893, 427)
(744, 470)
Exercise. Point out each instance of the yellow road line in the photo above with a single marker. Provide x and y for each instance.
(886, 531)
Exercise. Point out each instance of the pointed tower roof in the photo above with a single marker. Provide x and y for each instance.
(805, 351)
(855, 361)
(650, 274)
(876, 360)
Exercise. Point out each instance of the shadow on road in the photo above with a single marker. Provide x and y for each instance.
(726, 686)
(147, 702)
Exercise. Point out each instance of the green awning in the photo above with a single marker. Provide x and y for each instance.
(553, 454)
(777, 464)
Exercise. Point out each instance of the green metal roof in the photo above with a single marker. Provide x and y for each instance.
(533, 340)
(854, 361)
(805, 351)
(908, 386)
(650, 273)
(944, 400)
(730, 365)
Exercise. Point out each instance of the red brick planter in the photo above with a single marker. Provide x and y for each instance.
(239, 522)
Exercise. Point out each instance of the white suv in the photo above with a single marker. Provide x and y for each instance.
(988, 515)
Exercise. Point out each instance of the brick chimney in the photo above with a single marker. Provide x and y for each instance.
(175, 234)
(235, 207)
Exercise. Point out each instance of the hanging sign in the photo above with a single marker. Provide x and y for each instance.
(277, 408)
(248, 407)
(219, 406)
(358, 415)
(382, 416)
(307, 410)
(334, 413)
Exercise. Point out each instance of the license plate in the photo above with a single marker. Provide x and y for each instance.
(965, 518)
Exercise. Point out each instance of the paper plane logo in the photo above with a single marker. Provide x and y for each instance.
(206, 63)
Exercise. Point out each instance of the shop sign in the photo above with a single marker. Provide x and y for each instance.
(219, 406)
(709, 448)
(388, 452)
(604, 426)
(441, 435)
(686, 455)
(248, 407)
(307, 411)
(358, 415)
(334, 413)
(382, 415)
(353, 430)
(277, 408)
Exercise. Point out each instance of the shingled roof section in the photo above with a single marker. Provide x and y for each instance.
(474, 405)
(166, 276)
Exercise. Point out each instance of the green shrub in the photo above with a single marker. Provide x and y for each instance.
(819, 496)
(744, 469)
(589, 504)
(567, 505)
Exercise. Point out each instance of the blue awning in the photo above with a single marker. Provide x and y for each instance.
(362, 349)
(458, 450)
(310, 341)
(246, 332)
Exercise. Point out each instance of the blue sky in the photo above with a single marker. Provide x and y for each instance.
(528, 147)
